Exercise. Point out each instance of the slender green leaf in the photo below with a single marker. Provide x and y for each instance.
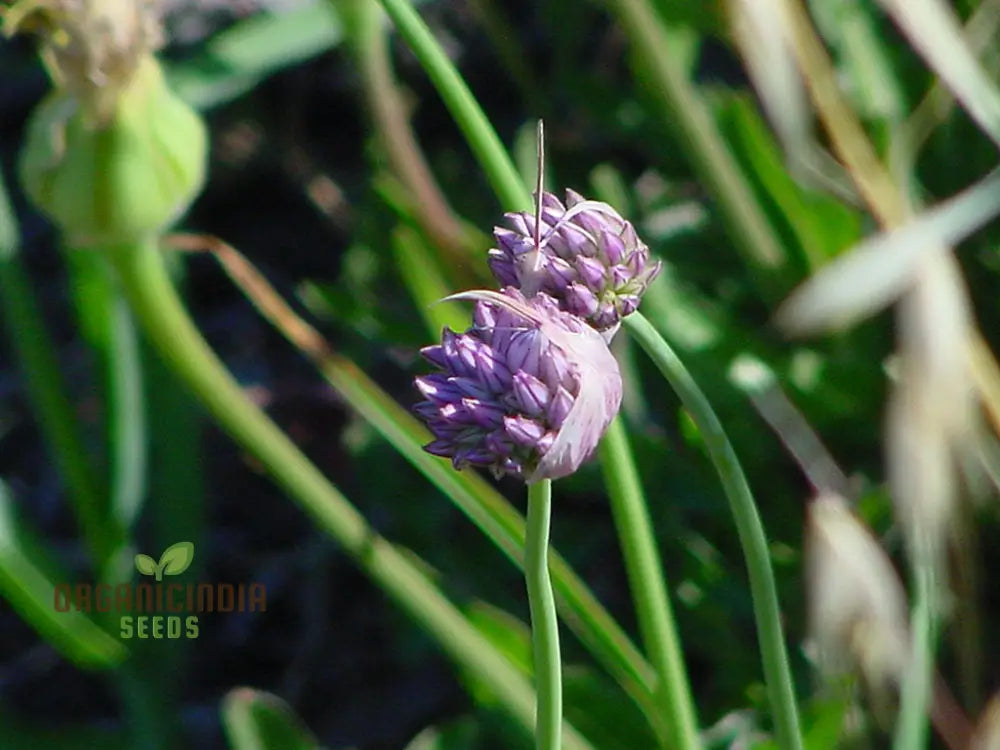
(255, 720)
(234, 61)
(26, 583)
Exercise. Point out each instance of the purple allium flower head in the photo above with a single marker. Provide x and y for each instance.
(528, 390)
(589, 259)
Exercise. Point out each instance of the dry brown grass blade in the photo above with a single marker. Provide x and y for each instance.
(260, 293)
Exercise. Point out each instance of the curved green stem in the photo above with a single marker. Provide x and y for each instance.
(478, 131)
(166, 323)
(748, 525)
(649, 588)
(544, 624)
(917, 683)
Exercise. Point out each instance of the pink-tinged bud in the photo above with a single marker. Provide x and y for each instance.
(528, 390)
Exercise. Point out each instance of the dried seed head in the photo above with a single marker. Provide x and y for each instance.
(588, 258)
(857, 607)
(91, 47)
(528, 390)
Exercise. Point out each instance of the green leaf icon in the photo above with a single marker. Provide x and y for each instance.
(145, 564)
(176, 558)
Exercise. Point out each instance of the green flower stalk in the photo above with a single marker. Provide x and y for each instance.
(110, 123)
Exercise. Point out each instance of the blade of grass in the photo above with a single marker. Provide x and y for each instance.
(255, 720)
(235, 60)
(423, 280)
(870, 275)
(28, 580)
(46, 391)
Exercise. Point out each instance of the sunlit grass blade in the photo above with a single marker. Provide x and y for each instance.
(489, 510)
(873, 273)
(26, 583)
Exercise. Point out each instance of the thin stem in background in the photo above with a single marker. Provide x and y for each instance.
(686, 112)
(649, 588)
(388, 112)
(166, 323)
(847, 136)
(46, 391)
(544, 623)
(753, 540)
(917, 679)
(478, 131)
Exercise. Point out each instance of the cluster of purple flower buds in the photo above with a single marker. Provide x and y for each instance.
(588, 258)
(531, 387)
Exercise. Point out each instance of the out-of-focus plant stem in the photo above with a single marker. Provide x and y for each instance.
(847, 136)
(478, 131)
(544, 623)
(917, 680)
(166, 323)
(43, 382)
(686, 112)
(753, 540)
(388, 112)
(649, 589)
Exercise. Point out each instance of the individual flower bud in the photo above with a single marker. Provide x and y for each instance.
(112, 155)
(589, 259)
(528, 390)
(857, 607)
